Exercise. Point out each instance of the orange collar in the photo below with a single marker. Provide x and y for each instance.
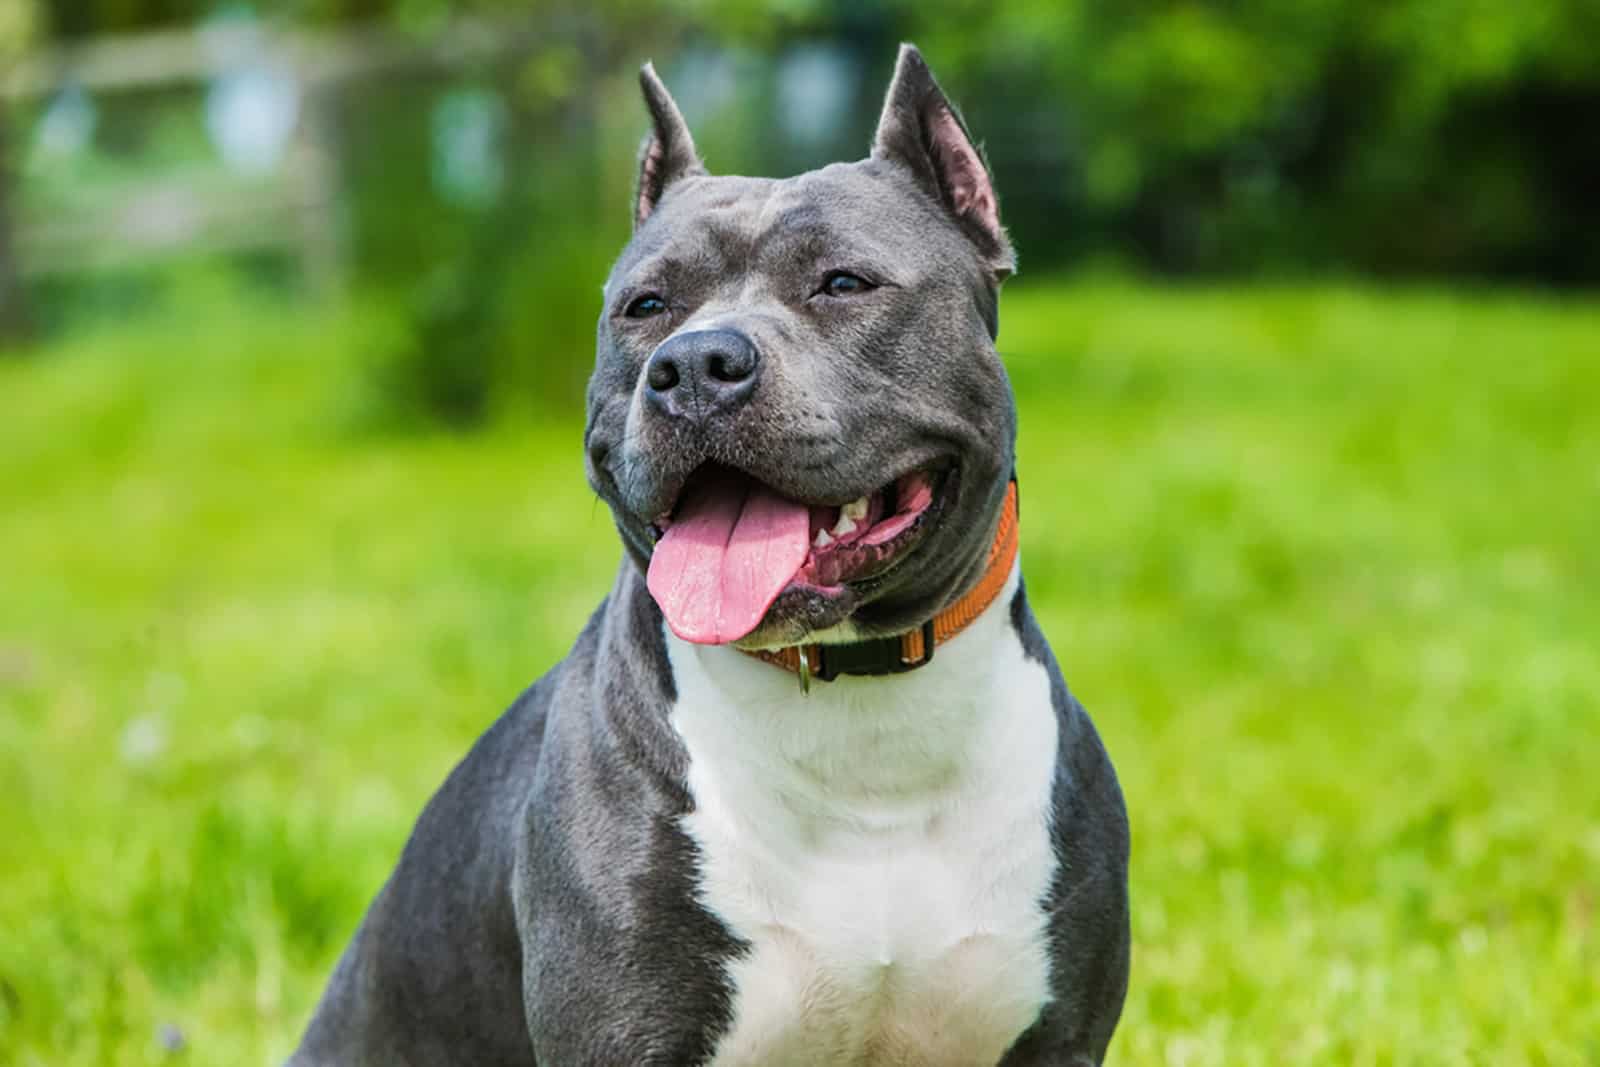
(913, 649)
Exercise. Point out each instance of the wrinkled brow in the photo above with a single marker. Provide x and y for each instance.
(805, 234)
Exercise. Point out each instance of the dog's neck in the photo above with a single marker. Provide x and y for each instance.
(858, 749)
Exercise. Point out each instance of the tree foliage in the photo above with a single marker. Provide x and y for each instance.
(1431, 135)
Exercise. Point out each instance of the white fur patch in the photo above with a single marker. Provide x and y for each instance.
(884, 846)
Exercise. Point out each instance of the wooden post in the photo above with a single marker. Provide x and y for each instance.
(313, 164)
(14, 320)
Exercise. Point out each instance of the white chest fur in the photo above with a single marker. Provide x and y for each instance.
(883, 845)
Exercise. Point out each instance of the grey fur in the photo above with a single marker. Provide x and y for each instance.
(544, 910)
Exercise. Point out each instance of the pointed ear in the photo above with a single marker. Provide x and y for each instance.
(668, 153)
(921, 130)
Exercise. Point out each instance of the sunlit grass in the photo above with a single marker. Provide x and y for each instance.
(1323, 563)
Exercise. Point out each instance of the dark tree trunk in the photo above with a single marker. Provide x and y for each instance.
(14, 321)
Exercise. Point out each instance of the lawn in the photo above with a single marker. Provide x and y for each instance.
(1323, 562)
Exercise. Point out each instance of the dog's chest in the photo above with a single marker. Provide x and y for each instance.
(919, 947)
(888, 879)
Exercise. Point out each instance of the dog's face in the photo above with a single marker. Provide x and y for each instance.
(797, 414)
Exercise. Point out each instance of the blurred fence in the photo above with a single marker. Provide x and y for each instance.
(268, 187)
(201, 143)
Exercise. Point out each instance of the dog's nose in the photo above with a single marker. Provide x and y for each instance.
(702, 373)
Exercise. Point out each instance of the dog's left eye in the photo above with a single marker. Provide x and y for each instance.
(646, 306)
(843, 283)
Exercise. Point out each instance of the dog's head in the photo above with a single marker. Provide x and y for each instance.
(797, 414)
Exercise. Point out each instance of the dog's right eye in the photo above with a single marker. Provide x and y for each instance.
(843, 283)
(643, 307)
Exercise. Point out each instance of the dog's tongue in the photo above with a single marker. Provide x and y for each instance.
(732, 547)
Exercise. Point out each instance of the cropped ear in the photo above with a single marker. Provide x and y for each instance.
(921, 130)
(668, 153)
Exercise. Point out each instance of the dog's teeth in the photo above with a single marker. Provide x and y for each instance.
(823, 540)
(856, 510)
(844, 526)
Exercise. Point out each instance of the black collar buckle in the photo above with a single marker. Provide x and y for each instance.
(880, 656)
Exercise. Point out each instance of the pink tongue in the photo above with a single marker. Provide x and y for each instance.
(732, 547)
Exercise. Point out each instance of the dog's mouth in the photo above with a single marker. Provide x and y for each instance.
(732, 545)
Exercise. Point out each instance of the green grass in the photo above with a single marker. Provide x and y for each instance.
(1323, 562)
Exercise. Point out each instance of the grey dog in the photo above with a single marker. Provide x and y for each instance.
(809, 787)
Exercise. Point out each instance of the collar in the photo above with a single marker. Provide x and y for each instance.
(914, 648)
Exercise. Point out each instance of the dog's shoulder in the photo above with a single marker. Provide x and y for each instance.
(403, 986)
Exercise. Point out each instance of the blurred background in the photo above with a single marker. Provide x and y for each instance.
(297, 301)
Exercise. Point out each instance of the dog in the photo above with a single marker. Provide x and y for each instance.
(809, 788)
